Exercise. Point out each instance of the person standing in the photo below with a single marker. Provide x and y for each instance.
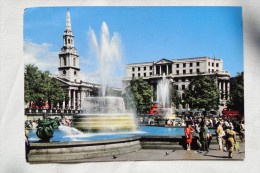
(242, 130)
(231, 141)
(188, 133)
(204, 135)
(220, 134)
(27, 145)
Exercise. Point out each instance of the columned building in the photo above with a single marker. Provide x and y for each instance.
(69, 72)
(181, 72)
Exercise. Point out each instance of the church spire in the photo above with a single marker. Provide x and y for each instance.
(68, 24)
(69, 58)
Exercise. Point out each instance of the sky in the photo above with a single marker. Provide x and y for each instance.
(146, 34)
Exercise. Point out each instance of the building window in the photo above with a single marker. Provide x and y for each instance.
(144, 68)
(198, 63)
(144, 74)
(190, 71)
(133, 69)
(212, 70)
(151, 67)
(133, 75)
(176, 80)
(170, 69)
(184, 71)
(191, 64)
(209, 70)
(151, 73)
(208, 63)
(176, 87)
(177, 72)
(183, 87)
(177, 65)
(184, 64)
(139, 75)
(157, 70)
(216, 64)
(212, 64)
(198, 70)
(183, 79)
(139, 68)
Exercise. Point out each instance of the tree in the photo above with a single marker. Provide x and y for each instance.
(237, 93)
(176, 98)
(138, 95)
(202, 93)
(56, 93)
(39, 87)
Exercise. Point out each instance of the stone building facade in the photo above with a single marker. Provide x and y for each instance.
(181, 72)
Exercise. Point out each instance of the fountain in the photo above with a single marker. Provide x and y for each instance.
(107, 128)
(105, 113)
(163, 97)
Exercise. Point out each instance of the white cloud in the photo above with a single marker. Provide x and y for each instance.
(41, 56)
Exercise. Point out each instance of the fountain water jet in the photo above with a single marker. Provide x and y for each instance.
(163, 96)
(105, 114)
(163, 92)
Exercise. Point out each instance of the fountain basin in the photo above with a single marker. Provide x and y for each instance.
(77, 151)
(104, 122)
(79, 147)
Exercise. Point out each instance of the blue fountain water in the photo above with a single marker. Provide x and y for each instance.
(66, 134)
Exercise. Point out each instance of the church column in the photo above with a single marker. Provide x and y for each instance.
(154, 70)
(219, 88)
(167, 69)
(73, 101)
(69, 104)
(81, 98)
(224, 89)
(228, 89)
(78, 99)
(160, 70)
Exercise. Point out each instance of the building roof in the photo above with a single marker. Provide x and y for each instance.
(179, 59)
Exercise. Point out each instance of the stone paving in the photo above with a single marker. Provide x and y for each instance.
(166, 154)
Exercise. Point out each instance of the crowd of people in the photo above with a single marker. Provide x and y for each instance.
(32, 124)
(227, 130)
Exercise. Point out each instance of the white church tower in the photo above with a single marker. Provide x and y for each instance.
(69, 58)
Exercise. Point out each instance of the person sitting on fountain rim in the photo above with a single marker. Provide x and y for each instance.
(27, 145)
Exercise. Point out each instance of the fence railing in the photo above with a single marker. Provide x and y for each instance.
(51, 111)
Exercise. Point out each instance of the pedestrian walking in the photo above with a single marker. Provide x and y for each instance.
(204, 135)
(231, 141)
(219, 134)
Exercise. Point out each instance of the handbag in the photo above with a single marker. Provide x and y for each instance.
(237, 146)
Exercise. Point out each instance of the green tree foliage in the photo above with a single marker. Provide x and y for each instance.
(236, 101)
(202, 93)
(138, 96)
(39, 87)
(176, 98)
